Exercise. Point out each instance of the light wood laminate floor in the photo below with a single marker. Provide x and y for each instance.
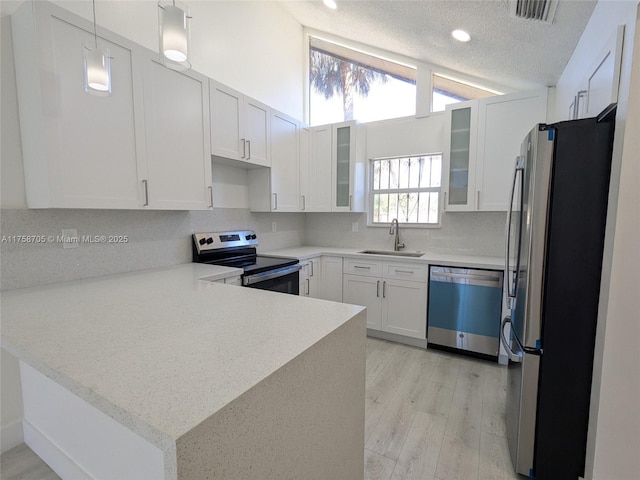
(430, 415)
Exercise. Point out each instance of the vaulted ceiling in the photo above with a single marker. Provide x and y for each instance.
(514, 52)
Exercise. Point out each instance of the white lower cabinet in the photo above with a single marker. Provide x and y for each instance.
(310, 276)
(394, 293)
(331, 278)
(365, 291)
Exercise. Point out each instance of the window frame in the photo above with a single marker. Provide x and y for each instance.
(370, 192)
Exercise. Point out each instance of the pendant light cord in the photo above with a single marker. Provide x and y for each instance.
(95, 31)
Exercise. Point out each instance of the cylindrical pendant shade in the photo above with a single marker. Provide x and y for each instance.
(97, 70)
(174, 35)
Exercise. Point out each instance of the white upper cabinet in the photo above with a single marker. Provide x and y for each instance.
(227, 126)
(483, 140)
(503, 123)
(239, 126)
(256, 133)
(603, 77)
(146, 146)
(284, 163)
(79, 150)
(348, 167)
(315, 168)
(460, 155)
(178, 144)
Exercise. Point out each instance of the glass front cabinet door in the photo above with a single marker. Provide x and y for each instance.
(459, 175)
(342, 169)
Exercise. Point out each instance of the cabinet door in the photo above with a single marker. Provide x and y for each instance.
(460, 151)
(331, 278)
(364, 291)
(503, 123)
(603, 78)
(178, 142)
(284, 163)
(226, 122)
(303, 284)
(79, 150)
(314, 277)
(320, 169)
(256, 132)
(304, 167)
(404, 308)
(343, 156)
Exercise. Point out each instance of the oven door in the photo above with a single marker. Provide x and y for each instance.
(284, 280)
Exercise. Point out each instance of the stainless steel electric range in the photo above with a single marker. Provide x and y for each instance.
(238, 249)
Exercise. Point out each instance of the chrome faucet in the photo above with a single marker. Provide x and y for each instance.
(395, 228)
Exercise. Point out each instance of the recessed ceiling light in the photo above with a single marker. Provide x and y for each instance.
(330, 3)
(461, 35)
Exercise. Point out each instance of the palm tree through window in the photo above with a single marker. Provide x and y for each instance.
(347, 84)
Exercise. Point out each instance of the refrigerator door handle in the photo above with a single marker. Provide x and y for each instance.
(517, 358)
(509, 281)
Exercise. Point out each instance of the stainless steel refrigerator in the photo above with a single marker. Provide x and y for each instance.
(555, 238)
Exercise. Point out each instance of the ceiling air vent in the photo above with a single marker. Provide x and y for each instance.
(541, 10)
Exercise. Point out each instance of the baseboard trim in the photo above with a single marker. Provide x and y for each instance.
(394, 337)
(51, 454)
(11, 436)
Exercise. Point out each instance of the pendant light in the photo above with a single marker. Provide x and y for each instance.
(97, 65)
(174, 28)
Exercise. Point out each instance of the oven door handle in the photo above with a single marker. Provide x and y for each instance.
(271, 274)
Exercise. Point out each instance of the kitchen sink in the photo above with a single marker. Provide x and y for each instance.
(393, 253)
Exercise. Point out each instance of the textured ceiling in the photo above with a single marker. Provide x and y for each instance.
(520, 54)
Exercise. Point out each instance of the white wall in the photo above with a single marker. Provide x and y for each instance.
(614, 425)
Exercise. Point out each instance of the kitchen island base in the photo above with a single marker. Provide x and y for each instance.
(306, 420)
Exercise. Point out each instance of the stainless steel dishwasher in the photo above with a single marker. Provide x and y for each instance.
(464, 309)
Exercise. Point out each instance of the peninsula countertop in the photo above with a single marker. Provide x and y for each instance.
(161, 350)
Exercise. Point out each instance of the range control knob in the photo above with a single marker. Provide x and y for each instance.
(202, 241)
(247, 237)
(209, 240)
(253, 237)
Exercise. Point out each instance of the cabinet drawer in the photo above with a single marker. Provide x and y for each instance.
(406, 271)
(368, 268)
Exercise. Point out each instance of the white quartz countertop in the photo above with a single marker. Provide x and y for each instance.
(306, 252)
(162, 350)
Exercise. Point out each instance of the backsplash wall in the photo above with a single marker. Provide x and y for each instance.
(155, 239)
(476, 233)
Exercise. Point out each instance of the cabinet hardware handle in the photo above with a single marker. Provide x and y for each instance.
(378, 289)
(307, 280)
(444, 204)
(249, 148)
(304, 203)
(275, 200)
(581, 94)
(146, 193)
(311, 263)
(210, 196)
(404, 271)
(244, 148)
(384, 289)
(365, 268)
(350, 202)
(478, 200)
